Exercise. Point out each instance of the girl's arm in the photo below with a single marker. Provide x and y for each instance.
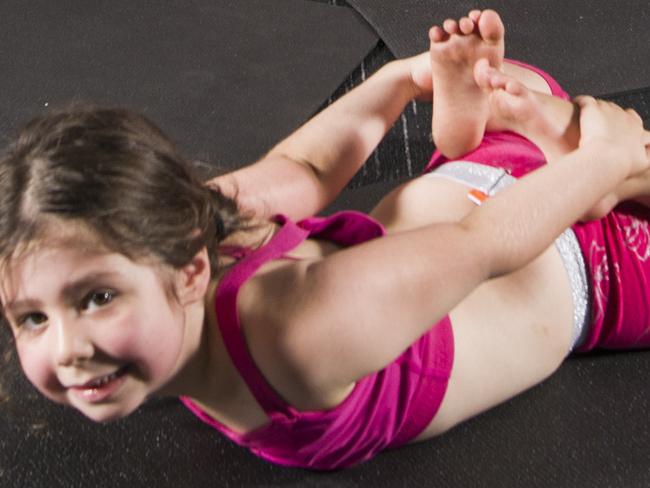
(636, 187)
(336, 320)
(307, 170)
(562, 115)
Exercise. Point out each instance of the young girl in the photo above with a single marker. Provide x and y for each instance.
(317, 343)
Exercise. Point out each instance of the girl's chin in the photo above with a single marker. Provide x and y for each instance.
(106, 413)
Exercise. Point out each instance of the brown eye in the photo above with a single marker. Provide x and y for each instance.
(98, 298)
(32, 321)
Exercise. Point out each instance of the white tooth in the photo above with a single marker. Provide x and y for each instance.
(102, 381)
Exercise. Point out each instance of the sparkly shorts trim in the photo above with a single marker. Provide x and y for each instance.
(490, 180)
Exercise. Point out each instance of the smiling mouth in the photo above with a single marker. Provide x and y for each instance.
(103, 380)
(101, 388)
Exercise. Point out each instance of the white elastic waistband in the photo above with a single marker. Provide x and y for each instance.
(488, 179)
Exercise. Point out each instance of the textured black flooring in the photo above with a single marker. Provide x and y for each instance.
(406, 149)
(595, 47)
(638, 99)
(226, 79)
(585, 426)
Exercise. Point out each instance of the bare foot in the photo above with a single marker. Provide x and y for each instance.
(545, 120)
(461, 108)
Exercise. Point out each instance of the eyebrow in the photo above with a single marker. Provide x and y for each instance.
(69, 291)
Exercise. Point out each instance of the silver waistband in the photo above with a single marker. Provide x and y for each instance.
(490, 180)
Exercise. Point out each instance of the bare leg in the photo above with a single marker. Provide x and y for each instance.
(548, 121)
(552, 124)
(475, 90)
(461, 107)
(462, 111)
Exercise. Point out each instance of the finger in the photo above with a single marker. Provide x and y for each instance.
(609, 104)
(482, 73)
(584, 100)
(634, 114)
(498, 79)
(514, 87)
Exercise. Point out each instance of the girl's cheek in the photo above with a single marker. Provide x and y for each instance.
(118, 337)
(113, 331)
(31, 364)
(38, 370)
(126, 338)
(153, 341)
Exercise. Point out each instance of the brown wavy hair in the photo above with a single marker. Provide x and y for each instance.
(112, 172)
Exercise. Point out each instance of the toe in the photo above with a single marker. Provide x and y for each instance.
(450, 26)
(490, 26)
(474, 15)
(436, 34)
(466, 25)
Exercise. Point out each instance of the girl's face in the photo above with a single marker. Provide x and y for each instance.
(94, 330)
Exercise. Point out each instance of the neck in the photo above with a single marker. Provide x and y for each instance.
(258, 235)
(202, 376)
(208, 376)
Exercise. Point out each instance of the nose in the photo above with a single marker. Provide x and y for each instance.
(73, 345)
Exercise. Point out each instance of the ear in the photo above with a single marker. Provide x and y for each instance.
(193, 279)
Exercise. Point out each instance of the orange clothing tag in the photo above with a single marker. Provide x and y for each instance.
(477, 196)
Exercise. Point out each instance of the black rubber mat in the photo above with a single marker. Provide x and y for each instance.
(585, 426)
(592, 47)
(639, 100)
(407, 147)
(226, 78)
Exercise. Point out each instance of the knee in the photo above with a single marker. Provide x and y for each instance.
(422, 201)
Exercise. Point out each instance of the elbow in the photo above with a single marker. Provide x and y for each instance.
(482, 247)
(495, 249)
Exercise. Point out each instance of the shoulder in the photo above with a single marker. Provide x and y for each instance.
(276, 329)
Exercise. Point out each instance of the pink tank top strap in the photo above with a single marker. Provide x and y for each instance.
(287, 238)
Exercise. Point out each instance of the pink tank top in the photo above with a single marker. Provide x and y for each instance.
(385, 409)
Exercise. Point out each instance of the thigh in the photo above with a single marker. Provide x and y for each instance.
(528, 77)
(422, 201)
(510, 334)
